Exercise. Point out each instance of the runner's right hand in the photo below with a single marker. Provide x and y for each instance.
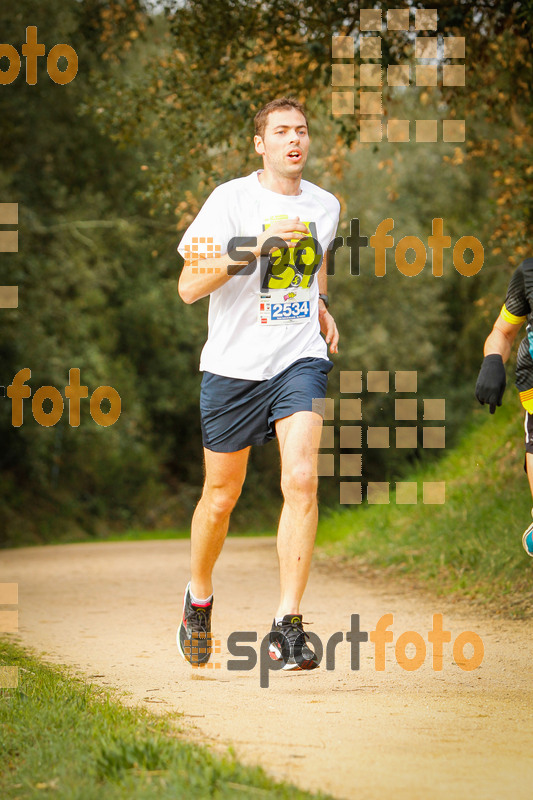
(286, 229)
(491, 381)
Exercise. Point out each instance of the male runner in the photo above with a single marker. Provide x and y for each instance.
(518, 308)
(264, 362)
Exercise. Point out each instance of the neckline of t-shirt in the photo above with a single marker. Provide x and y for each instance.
(291, 197)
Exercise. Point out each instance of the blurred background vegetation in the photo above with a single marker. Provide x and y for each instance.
(110, 169)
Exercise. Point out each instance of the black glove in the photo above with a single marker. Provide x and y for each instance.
(491, 381)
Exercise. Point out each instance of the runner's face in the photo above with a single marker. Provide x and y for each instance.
(286, 132)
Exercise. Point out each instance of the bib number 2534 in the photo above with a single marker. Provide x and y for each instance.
(290, 310)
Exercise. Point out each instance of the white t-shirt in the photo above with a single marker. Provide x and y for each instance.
(260, 325)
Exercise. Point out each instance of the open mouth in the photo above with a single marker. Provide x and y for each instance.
(294, 155)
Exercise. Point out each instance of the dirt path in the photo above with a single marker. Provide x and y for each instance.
(111, 610)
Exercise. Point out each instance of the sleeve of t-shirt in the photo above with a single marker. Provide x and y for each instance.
(211, 230)
(516, 307)
(336, 221)
(333, 208)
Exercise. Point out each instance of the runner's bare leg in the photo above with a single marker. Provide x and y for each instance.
(529, 469)
(224, 477)
(298, 437)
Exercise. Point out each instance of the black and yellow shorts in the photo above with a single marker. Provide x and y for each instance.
(524, 384)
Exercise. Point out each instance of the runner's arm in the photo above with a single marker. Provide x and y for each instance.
(327, 323)
(491, 380)
(500, 339)
(193, 284)
(322, 277)
(513, 313)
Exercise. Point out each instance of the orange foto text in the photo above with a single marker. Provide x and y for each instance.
(32, 50)
(18, 391)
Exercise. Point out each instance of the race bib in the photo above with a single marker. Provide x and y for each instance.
(285, 307)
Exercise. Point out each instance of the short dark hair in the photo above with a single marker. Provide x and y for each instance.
(260, 119)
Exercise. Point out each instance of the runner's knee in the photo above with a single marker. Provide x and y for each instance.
(221, 499)
(299, 483)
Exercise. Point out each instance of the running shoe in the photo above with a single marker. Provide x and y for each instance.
(288, 644)
(194, 634)
(527, 539)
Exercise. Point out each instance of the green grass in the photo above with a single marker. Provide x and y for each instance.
(144, 535)
(469, 546)
(66, 739)
(132, 535)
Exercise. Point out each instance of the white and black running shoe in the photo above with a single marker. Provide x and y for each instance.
(288, 644)
(194, 634)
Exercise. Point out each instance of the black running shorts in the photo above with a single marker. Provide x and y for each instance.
(237, 413)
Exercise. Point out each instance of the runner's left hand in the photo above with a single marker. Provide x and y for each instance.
(328, 327)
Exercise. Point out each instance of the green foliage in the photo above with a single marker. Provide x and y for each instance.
(470, 546)
(110, 169)
(97, 291)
